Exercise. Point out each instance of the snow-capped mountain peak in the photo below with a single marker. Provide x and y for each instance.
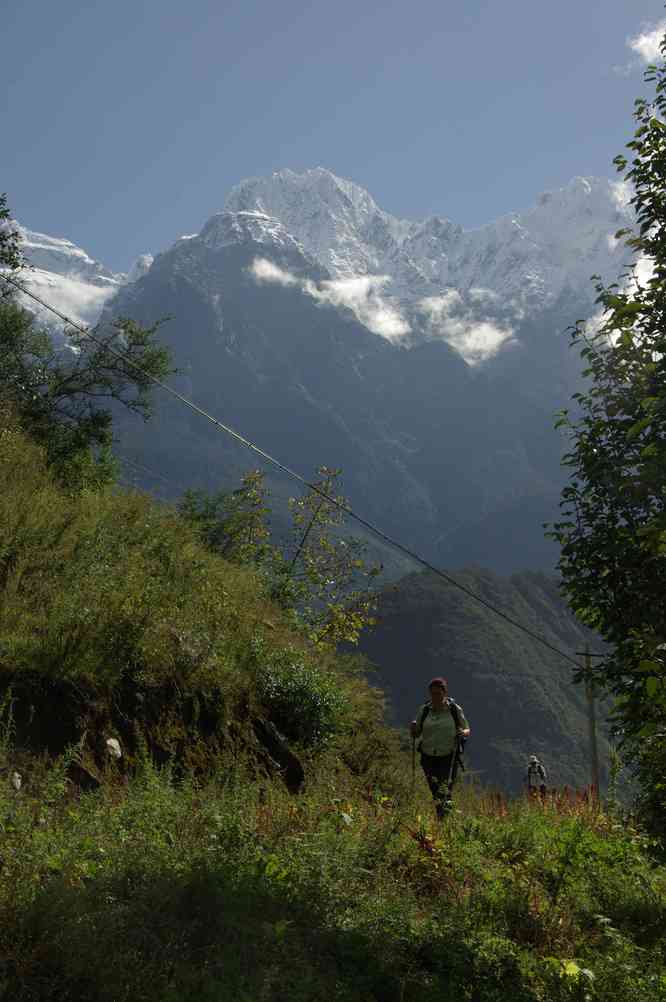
(433, 278)
(528, 257)
(226, 228)
(62, 257)
(337, 222)
(68, 278)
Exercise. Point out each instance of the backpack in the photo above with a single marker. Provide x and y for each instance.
(456, 713)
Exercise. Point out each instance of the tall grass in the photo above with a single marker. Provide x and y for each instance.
(230, 889)
(204, 879)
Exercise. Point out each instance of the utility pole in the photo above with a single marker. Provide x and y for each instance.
(591, 720)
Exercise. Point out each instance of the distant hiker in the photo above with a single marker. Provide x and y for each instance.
(536, 778)
(442, 727)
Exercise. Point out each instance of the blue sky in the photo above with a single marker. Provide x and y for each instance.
(125, 124)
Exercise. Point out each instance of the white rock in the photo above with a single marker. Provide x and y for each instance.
(113, 748)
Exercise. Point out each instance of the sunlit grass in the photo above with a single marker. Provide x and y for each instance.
(153, 889)
(206, 879)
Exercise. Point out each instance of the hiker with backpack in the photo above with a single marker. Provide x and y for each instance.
(536, 778)
(442, 729)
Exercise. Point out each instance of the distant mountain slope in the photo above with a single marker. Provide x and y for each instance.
(517, 694)
(425, 360)
(427, 446)
(304, 379)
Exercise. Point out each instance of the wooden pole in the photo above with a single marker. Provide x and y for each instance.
(413, 763)
(592, 723)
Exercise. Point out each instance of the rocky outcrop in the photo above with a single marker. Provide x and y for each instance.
(275, 745)
(108, 733)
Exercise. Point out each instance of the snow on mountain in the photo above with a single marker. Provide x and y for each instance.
(338, 222)
(225, 229)
(522, 262)
(275, 307)
(534, 256)
(66, 277)
(62, 257)
(141, 267)
(405, 280)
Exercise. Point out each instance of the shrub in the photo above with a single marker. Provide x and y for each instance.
(304, 700)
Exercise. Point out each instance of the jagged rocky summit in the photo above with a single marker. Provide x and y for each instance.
(404, 279)
(531, 256)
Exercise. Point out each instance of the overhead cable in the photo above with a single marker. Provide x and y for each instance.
(295, 476)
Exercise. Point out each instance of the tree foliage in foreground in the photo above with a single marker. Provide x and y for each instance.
(63, 394)
(11, 257)
(317, 571)
(62, 390)
(613, 527)
(112, 608)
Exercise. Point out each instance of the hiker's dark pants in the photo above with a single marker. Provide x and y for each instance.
(436, 769)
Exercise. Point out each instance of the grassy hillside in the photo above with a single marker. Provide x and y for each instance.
(230, 890)
(186, 869)
(113, 615)
(517, 694)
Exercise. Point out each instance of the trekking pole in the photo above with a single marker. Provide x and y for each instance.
(456, 759)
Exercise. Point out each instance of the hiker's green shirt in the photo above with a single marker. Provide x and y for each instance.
(438, 730)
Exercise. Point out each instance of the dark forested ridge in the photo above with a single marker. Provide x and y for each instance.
(518, 695)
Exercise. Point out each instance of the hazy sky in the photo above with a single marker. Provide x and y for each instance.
(124, 124)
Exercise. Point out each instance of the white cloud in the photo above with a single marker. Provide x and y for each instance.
(594, 323)
(621, 193)
(646, 43)
(436, 308)
(79, 301)
(485, 297)
(362, 295)
(476, 340)
(448, 315)
(457, 322)
(265, 271)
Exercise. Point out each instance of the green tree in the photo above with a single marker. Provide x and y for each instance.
(235, 523)
(613, 528)
(316, 571)
(322, 571)
(62, 392)
(11, 257)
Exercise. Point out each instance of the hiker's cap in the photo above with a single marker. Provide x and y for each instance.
(438, 681)
(533, 758)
